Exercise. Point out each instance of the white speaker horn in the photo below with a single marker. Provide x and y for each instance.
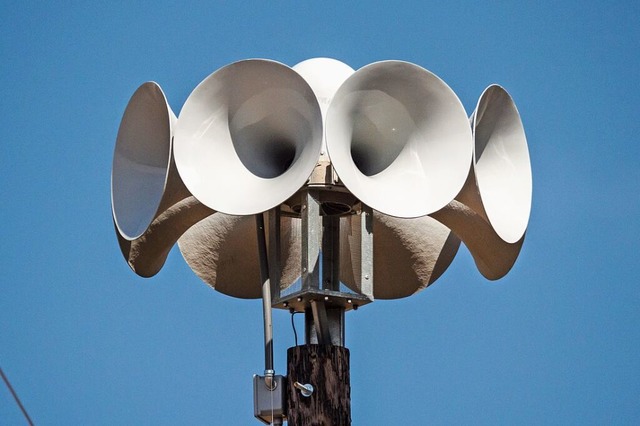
(491, 212)
(248, 137)
(399, 139)
(150, 205)
(325, 76)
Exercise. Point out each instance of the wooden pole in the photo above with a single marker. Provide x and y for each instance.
(326, 368)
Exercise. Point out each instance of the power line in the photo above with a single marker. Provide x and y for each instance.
(15, 396)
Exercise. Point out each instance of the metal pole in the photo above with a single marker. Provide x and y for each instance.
(266, 301)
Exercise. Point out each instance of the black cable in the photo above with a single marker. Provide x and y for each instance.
(293, 324)
(15, 396)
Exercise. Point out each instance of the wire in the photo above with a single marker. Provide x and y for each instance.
(293, 325)
(271, 393)
(15, 396)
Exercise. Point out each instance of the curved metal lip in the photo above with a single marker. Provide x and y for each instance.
(144, 86)
(292, 190)
(514, 233)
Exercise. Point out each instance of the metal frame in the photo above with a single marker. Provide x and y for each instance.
(320, 258)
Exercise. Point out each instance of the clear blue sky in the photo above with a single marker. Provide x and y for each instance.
(85, 341)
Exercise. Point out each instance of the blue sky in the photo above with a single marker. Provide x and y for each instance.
(86, 341)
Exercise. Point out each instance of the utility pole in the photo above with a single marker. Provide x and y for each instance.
(328, 401)
(318, 378)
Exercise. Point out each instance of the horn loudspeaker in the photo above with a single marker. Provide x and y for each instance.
(491, 212)
(248, 137)
(399, 139)
(150, 205)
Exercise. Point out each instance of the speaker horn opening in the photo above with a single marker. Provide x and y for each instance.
(248, 137)
(491, 212)
(501, 164)
(150, 205)
(141, 160)
(399, 139)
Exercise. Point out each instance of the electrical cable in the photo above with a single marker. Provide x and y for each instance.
(15, 396)
(271, 393)
(293, 325)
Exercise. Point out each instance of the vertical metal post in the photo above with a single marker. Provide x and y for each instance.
(366, 252)
(311, 240)
(275, 251)
(266, 298)
(321, 271)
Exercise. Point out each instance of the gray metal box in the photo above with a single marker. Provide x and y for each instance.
(268, 404)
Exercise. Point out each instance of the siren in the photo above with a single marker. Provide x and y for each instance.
(231, 271)
(417, 251)
(248, 137)
(151, 207)
(491, 212)
(399, 139)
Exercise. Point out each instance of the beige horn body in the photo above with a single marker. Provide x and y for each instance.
(409, 254)
(151, 207)
(219, 249)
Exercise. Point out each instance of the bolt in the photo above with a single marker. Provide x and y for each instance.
(306, 390)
